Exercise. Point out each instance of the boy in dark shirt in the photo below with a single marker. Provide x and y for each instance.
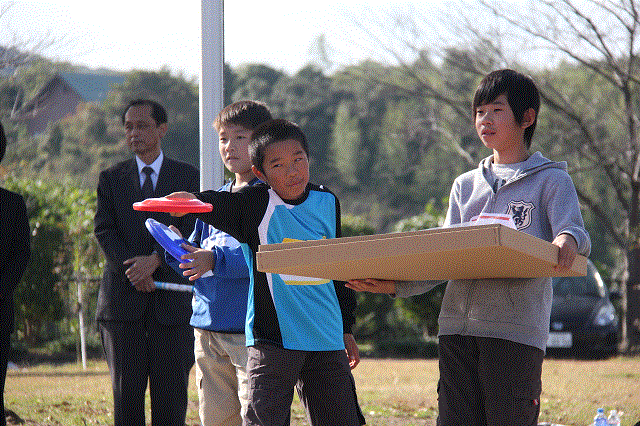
(297, 327)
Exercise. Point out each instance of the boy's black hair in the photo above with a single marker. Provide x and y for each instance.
(270, 132)
(158, 113)
(521, 92)
(248, 114)
(3, 142)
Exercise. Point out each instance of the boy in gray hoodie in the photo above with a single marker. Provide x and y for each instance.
(493, 332)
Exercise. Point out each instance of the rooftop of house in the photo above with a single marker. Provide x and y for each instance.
(89, 87)
(92, 87)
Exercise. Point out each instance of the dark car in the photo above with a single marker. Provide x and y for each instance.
(583, 319)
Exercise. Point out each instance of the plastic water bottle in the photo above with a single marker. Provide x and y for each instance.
(613, 419)
(600, 419)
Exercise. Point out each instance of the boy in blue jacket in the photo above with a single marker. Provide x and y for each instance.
(221, 282)
(493, 332)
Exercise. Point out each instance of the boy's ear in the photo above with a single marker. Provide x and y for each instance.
(528, 118)
(258, 173)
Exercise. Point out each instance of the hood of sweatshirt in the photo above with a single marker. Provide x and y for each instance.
(533, 164)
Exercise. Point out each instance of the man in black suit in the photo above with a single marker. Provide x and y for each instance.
(14, 255)
(145, 331)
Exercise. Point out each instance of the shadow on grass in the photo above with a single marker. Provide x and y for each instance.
(403, 349)
(582, 355)
(59, 374)
(30, 358)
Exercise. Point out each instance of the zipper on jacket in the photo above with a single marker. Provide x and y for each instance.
(467, 304)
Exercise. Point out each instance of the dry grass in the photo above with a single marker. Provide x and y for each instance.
(391, 392)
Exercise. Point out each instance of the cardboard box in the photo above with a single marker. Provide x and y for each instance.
(481, 251)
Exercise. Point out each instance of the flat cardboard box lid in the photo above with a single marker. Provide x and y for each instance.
(463, 252)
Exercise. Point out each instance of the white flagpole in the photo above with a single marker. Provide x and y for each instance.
(211, 92)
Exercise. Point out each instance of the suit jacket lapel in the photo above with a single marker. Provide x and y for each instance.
(163, 186)
(133, 178)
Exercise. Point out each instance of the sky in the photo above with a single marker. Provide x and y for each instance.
(124, 35)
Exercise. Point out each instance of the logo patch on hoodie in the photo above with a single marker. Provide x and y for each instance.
(521, 212)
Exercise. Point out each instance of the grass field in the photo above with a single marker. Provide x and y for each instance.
(391, 392)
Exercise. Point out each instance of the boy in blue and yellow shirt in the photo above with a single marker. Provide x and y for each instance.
(296, 334)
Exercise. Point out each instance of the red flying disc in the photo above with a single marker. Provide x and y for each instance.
(175, 205)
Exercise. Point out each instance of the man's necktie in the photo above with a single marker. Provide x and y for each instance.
(147, 186)
(147, 192)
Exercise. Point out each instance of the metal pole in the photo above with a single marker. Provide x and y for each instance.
(211, 92)
(83, 341)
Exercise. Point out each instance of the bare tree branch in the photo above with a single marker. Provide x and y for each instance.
(19, 48)
(604, 217)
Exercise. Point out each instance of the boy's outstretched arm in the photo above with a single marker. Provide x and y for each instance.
(568, 248)
(372, 285)
(181, 194)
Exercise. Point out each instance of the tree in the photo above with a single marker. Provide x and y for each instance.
(305, 99)
(599, 119)
(345, 145)
(38, 296)
(591, 99)
(255, 82)
(64, 251)
(53, 142)
(381, 143)
(20, 49)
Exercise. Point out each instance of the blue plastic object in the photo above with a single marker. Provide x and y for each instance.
(168, 239)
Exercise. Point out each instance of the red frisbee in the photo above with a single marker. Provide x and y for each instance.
(175, 205)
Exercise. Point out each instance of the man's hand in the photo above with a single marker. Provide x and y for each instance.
(146, 286)
(141, 269)
(353, 353)
(372, 285)
(201, 262)
(568, 249)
